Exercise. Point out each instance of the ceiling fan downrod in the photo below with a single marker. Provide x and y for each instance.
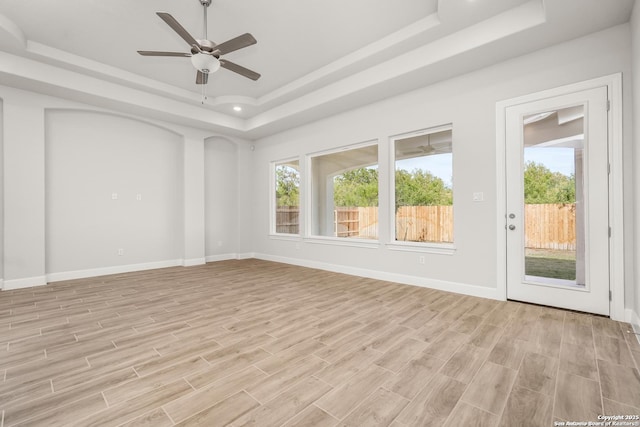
(205, 5)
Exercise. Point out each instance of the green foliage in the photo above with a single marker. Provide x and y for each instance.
(357, 187)
(541, 186)
(421, 188)
(287, 186)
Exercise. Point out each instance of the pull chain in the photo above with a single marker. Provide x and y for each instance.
(204, 89)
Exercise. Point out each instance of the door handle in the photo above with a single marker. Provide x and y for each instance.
(512, 227)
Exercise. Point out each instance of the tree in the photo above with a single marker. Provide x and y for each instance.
(541, 186)
(287, 186)
(357, 187)
(421, 188)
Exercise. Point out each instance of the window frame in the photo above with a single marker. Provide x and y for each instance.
(273, 203)
(444, 248)
(309, 235)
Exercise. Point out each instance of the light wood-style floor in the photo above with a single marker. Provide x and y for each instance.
(265, 344)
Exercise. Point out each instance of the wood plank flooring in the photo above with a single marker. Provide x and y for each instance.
(256, 343)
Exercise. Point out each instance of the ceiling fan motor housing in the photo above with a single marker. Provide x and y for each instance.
(205, 46)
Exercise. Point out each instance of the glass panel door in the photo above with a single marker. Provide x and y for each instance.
(553, 158)
(557, 224)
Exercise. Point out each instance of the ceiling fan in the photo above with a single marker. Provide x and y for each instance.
(206, 55)
(425, 150)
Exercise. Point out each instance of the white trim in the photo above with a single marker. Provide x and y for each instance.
(353, 242)
(616, 254)
(308, 203)
(221, 257)
(429, 248)
(272, 191)
(27, 282)
(459, 288)
(246, 255)
(283, 236)
(193, 261)
(1, 284)
(616, 198)
(117, 269)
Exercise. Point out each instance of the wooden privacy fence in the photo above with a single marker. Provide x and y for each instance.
(548, 226)
(287, 219)
(413, 223)
(424, 224)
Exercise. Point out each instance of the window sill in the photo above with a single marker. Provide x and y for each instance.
(290, 237)
(344, 241)
(432, 248)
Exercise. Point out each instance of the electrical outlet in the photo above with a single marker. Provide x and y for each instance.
(138, 196)
(120, 252)
(114, 196)
(478, 197)
(421, 259)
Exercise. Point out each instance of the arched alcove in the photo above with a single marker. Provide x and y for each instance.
(114, 193)
(221, 198)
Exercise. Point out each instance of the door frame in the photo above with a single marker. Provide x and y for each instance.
(616, 242)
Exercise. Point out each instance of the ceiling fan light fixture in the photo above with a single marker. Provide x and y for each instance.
(205, 63)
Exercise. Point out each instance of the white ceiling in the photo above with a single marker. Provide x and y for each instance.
(316, 58)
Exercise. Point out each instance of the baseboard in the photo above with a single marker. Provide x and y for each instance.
(459, 288)
(221, 257)
(193, 261)
(94, 272)
(246, 255)
(1, 284)
(27, 282)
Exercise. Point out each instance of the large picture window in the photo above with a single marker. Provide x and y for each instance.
(424, 186)
(287, 197)
(345, 193)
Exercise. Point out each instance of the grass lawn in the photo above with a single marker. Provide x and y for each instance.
(550, 263)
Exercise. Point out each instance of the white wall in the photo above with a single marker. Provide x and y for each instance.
(61, 162)
(221, 187)
(92, 156)
(469, 103)
(635, 166)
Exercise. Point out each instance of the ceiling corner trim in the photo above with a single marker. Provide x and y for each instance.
(14, 32)
(526, 16)
(402, 35)
(56, 56)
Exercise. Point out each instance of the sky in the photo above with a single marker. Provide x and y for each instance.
(555, 159)
(438, 164)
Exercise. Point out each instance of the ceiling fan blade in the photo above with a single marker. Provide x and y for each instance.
(236, 43)
(202, 78)
(231, 66)
(175, 25)
(155, 53)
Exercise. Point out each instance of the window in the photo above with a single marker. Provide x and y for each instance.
(287, 197)
(424, 186)
(345, 193)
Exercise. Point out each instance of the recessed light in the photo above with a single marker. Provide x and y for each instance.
(237, 108)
